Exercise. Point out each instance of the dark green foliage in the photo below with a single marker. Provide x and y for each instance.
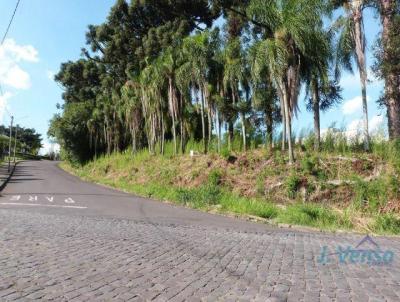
(28, 141)
(155, 72)
(215, 178)
(309, 164)
(370, 196)
(292, 184)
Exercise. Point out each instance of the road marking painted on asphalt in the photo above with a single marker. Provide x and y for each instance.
(40, 205)
(69, 200)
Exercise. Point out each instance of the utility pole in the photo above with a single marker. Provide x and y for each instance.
(15, 141)
(9, 145)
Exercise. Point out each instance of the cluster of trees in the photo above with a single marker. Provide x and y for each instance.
(160, 71)
(28, 141)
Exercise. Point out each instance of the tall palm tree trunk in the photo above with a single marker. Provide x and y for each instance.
(162, 135)
(210, 122)
(316, 111)
(218, 125)
(181, 123)
(360, 53)
(230, 135)
(283, 114)
(242, 118)
(392, 80)
(171, 101)
(269, 127)
(288, 123)
(203, 124)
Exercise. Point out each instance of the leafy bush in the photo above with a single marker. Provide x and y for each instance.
(370, 195)
(260, 185)
(215, 177)
(292, 185)
(309, 164)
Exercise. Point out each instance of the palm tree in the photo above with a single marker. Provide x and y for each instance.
(390, 18)
(293, 27)
(132, 108)
(321, 91)
(169, 64)
(264, 96)
(351, 44)
(197, 50)
(152, 81)
(234, 80)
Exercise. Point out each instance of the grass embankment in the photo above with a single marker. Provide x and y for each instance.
(354, 191)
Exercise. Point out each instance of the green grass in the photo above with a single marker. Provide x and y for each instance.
(154, 176)
(315, 216)
(387, 224)
(211, 196)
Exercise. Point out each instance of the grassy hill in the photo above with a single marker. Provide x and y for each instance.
(330, 190)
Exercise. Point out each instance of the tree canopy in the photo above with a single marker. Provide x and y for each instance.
(159, 71)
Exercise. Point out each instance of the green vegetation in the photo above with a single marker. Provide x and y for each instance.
(259, 185)
(28, 141)
(159, 79)
(160, 71)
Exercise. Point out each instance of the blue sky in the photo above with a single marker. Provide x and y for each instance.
(46, 33)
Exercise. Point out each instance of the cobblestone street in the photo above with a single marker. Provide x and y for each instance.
(64, 254)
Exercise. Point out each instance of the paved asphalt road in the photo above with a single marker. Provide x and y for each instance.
(63, 239)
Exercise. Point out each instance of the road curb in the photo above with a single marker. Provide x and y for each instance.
(3, 185)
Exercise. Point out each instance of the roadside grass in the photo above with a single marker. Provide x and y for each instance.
(212, 198)
(258, 183)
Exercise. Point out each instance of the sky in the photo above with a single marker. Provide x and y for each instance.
(46, 33)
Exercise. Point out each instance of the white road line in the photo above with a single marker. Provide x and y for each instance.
(40, 205)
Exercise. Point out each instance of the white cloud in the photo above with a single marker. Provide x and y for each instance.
(350, 81)
(353, 105)
(16, 78)
(20, 53)
(355, 127)
(376, 123)
(11, 55)
(4, 103)
(49, 148)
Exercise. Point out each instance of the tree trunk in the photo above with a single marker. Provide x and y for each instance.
(392, 80)
(269, 126)
(230, 135)
(317, 129)
(283, 113)
(288, 122)
(360, 53)
(203, 126)
(182, 139)
(171, 101)
(218, 124)
(181, 123)
(242, 118)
